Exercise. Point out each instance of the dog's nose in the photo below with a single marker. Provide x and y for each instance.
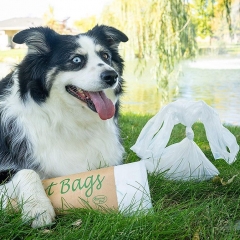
(110, 77)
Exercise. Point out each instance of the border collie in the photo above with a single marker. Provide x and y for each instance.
(59, 113)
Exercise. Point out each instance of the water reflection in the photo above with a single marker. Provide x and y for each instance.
(141, 93)
(142, 98)
(218, 84)
(216, 81)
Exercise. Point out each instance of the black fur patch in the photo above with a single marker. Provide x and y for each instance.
(5, 176)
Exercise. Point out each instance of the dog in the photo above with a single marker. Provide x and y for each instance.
(59, 112)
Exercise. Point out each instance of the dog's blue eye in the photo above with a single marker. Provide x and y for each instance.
(77, 60)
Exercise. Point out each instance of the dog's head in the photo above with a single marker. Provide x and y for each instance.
(86, 68)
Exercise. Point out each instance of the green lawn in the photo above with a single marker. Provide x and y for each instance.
(15, 55)
(182, 210)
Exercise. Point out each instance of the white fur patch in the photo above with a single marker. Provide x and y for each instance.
(27, 188)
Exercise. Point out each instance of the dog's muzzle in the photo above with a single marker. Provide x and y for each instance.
(110, 77)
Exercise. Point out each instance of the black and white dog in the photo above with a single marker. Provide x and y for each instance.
(59, 113)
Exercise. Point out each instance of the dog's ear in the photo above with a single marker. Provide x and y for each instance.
(114, 36)
(37, 39)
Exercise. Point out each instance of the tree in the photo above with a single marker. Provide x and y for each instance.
(158, 29)
(85, 24)
(202, 12)
(50, 21)
(213, 17)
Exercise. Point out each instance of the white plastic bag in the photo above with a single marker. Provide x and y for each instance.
(184, 160)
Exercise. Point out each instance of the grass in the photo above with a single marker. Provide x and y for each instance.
(182, 210)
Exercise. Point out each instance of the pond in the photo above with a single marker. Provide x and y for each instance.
(213, 80)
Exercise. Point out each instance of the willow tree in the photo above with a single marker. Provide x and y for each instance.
(160, 30)
(213, 18)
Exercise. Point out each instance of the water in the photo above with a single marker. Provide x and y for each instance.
(141, 94)
(215, 81)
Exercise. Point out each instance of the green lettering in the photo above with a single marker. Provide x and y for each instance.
(78, 184)
(99, 186)
(65, 186)
(49, 188)
(89, 185)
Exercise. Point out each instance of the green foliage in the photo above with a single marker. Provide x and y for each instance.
(210, 16)
(202, 15)
(85, 24)
(160, 30)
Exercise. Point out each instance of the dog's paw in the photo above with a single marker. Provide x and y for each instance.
(40, 213)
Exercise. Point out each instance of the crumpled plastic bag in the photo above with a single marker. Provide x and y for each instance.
(184, 160)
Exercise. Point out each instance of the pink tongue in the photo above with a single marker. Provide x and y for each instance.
(103, 105)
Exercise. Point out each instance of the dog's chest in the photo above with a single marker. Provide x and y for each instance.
(62, 151)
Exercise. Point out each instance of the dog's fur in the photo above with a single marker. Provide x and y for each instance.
(49, 127)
